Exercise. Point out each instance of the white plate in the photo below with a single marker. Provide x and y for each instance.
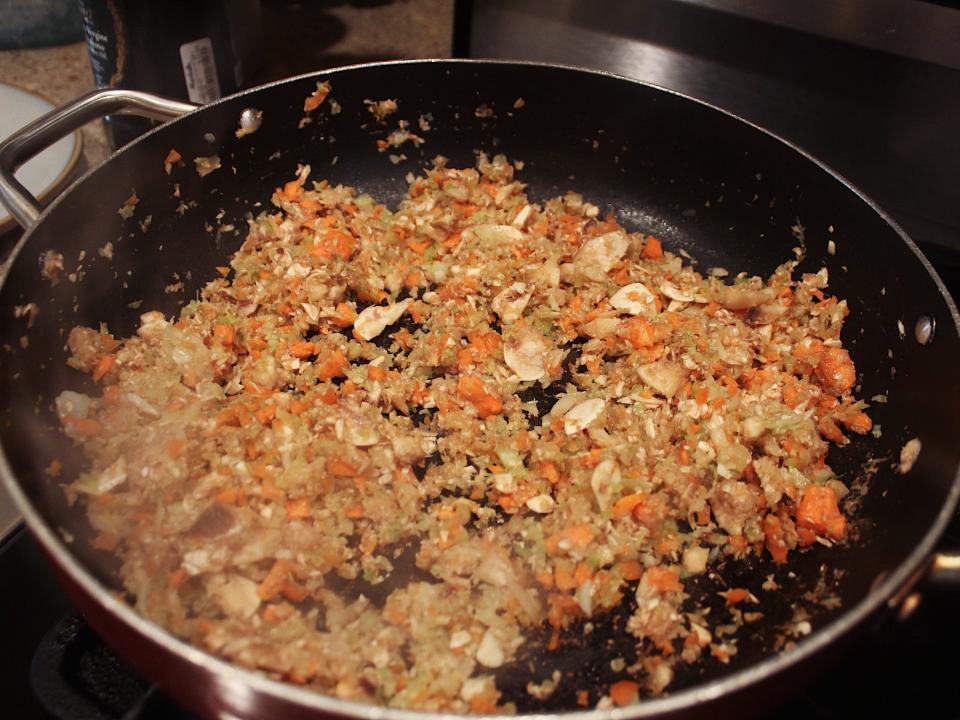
(49, 169)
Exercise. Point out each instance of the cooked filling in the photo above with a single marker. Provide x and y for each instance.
(384, 448)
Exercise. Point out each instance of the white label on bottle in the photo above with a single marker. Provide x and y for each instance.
(200, 71)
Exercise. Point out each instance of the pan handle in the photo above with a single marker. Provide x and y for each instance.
(945, 570)
(44, 131)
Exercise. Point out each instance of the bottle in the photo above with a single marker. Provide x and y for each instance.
(193, 50)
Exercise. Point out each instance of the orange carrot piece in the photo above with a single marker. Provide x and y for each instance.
(226, 335)
(663, 579)
(471, 388)
(625, 505)
(102, 367)
(303, 349)
(625, 692)
(736, 595)
(341, 468)
(653, 249)
(818, 511)
(298, 509)
(775, 537)
(333, 366)
(549, 472)
(631, 569)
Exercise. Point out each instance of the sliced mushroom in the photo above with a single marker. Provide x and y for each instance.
(581, 415)
(525, 352)
(360, 434)
(489, 653)
(547, 274)
(374, 320)
(742, 297)
(635, 299)
(663, 376)
(542, 504)
(237, 597)
(598, 255)
(493, 233)
(675, 293)
(510, 303)
(601, 327)
(605, 481)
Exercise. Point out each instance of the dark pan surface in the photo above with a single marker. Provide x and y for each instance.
(707, 183)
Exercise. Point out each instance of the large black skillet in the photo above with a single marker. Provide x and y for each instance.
(729, 193)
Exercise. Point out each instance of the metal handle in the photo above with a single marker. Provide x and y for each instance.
(945, 570)
(44, 131)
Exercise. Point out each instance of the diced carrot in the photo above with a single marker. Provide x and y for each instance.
(341, 468)
(354, 511)
(333, 366)
(546, 579)
(471, 388)
(859, 423)
(293, 190)
(177, 578)
(631, 569)
(828, 428)
(625, 692)
(581, 574)
(172, 157)
(730, 384)
(418, 247)
(549, 472)
(102, 367)
(226, 335)
(298, 407)
(303, 349)
(583, 697)
(315, 99)
(54, 468)
(484, 703)
(818, 511)
(229, 496)
(374, 372)
(663, 579)
(273, 583)
(775, 536)
(82, 426)
(702, 395)
(298, 509)
(736, 595)
(563, 578)
(344, 315)
(653, 249)
(625, 505)
(265, 414)
(640, 332)
(175, 447)
(577, 536)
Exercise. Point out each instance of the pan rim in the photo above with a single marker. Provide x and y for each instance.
(904, 576)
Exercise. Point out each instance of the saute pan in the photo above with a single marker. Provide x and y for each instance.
(705, 182)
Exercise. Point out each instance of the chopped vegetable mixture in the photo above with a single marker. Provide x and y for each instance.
(541, 411)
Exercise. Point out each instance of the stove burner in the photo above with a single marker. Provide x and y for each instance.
(75, 676)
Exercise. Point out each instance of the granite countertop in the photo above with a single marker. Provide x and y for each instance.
(298, 38)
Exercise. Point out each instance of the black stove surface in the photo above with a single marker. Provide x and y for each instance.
(54, 666)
